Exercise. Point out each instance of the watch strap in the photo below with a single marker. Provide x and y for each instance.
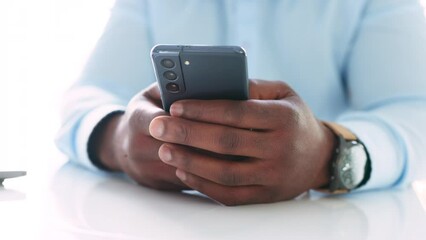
(340, 130)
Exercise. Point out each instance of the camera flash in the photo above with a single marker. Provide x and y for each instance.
(187, 62)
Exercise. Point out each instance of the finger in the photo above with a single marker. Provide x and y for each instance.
(210, 137)
(142, 148)
(145, 166)
(229, 196)
(269, 90)
(221, 171)
(251, 114)
(141, 111)
(155, 174)
(153, 93)
(162, 177)
(158, 175)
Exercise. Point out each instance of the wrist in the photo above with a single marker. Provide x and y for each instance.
(103, 149)
(328, 151)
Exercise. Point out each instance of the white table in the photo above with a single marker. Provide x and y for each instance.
(64, 201)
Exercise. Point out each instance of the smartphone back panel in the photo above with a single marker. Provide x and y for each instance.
(200, 72)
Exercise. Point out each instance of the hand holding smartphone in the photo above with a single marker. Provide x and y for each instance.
(200, 72)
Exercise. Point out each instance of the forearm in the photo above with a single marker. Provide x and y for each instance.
(117, 69)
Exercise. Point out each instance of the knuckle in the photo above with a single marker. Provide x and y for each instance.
(267, 112)
(140, 119)
(233, 176)
(229, 141)
(281, 84)
(295, 113)
(194, 111)
(283, 89)
(182, 133)
(230, 177)
(182, 159)
(136, 118)
(290, 115)
(261, 145)
(195, 183)
(234, 113)
(270, 144)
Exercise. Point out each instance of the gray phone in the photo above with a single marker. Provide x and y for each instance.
(200, 72)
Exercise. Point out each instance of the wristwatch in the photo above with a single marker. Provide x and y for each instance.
(351, 164)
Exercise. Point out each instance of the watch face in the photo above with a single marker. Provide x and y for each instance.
(351, 164)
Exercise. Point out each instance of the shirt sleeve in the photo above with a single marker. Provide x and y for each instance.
(385, 79)
(117, 69)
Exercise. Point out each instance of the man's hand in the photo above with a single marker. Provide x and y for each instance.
(283, 149)
(125, 144)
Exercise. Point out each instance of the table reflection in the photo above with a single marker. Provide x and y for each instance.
(10, 194)
(99, 204)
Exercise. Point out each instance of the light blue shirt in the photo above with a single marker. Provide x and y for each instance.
(357, 62)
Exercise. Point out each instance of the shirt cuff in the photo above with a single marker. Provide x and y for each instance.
(87, 125)
(385, 150)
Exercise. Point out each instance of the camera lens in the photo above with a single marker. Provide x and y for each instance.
(170, 75)
(172, 87)
(167, 63)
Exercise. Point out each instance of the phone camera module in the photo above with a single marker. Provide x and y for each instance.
(167, 63)
(172, 87)
(170, 75)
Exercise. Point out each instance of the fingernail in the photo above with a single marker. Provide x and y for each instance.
(176, 109)
(165, 154)
(156, 128)
(181, 174)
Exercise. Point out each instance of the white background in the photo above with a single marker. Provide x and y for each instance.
(43, 46)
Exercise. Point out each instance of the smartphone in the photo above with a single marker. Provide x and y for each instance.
(200, 72)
